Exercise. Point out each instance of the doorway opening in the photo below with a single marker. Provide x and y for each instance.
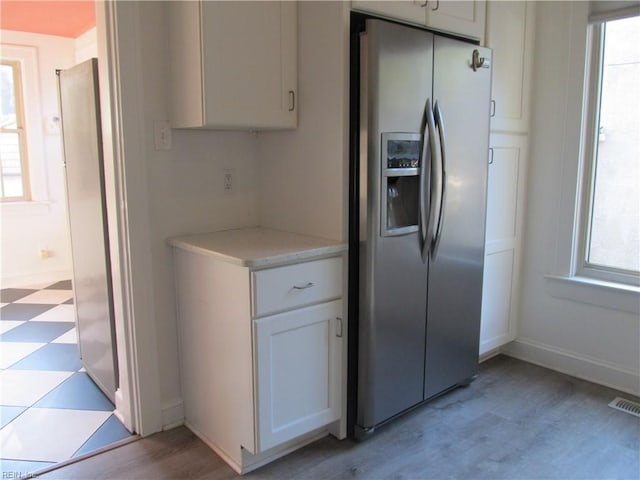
(51, 411)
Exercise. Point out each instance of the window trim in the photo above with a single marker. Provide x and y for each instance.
(561, 280)
(20, 129)
(27, 55)
(581, 267)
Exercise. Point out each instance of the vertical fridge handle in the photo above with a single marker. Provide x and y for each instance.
(434, 185)
(442, 179)
(425, 187)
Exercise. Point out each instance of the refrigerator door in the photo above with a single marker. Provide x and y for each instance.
(461, 97)
(396, 80)
(82, 141)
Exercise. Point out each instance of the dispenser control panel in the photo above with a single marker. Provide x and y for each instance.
(402, 152)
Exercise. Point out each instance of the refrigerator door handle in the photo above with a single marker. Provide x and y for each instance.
(442, 179)
(425, 185)
(435, 194)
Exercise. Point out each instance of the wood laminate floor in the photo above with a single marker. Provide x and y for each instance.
(516, 421)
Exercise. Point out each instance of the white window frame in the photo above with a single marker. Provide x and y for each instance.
(565, 280)
(27, 56)
(19, 130)
(589, 140)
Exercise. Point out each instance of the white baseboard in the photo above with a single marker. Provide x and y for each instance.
(40, 278)
(590, 369)
(483, 357)
(172, 414)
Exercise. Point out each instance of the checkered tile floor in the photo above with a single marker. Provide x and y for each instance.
(50, 410)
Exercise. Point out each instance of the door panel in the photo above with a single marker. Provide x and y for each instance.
(84, 175)
(498, 279)
(455, 274)
(298, 372)
(396, 84)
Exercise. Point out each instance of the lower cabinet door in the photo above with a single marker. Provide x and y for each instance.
(298, 357)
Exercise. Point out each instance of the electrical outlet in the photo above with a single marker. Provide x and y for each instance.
(228, 180)
(162, 135)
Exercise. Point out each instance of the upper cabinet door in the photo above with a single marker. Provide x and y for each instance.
(466, 18)
(463, 17)
(510, 35)
(406, 10)
(233, 64)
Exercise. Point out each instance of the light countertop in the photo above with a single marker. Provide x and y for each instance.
(258, 247)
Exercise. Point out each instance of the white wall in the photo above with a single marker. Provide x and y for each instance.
(183, 191)
(28, 228)
(586, 340)
(86, 45)
(304, 172)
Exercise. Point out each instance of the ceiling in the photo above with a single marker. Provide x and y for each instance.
(63, 19)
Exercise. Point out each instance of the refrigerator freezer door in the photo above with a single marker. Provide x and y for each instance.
(82, 140)
(455, 273)
(396, 82)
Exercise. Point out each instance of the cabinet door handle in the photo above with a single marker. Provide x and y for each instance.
(493, 108)
(490, 156)
(303, 287)
(437, 6)
(292, 100)
(339, 327)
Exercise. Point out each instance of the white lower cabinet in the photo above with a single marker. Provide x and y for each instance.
(261, 354)
(298, 366)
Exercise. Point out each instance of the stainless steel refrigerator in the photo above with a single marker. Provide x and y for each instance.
(86, 208)
(419, 153)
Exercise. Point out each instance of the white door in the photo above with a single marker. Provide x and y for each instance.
(298, 364)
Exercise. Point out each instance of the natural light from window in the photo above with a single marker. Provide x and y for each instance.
(613, 239)
(13, 165)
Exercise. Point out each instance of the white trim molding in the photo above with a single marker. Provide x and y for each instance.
(625, 298)
(172, 414)
(127, 210)
(580, 366)
(27, 55)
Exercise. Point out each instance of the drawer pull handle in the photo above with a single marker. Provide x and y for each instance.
(304, 287)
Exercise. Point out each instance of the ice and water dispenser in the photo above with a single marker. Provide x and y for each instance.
(400, 183)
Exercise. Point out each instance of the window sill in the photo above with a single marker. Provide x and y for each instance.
(16, 209)
(611, 295)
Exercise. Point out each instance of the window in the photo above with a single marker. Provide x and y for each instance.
(14, 171)
(609, 237)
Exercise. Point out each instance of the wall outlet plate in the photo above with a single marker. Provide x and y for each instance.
(228, 179)
(162, 135)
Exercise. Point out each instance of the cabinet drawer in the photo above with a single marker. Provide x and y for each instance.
(284, 288)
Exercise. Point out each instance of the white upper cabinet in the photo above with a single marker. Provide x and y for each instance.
(233, 65)
(510, 35)
(406, 10)
(466, 18)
